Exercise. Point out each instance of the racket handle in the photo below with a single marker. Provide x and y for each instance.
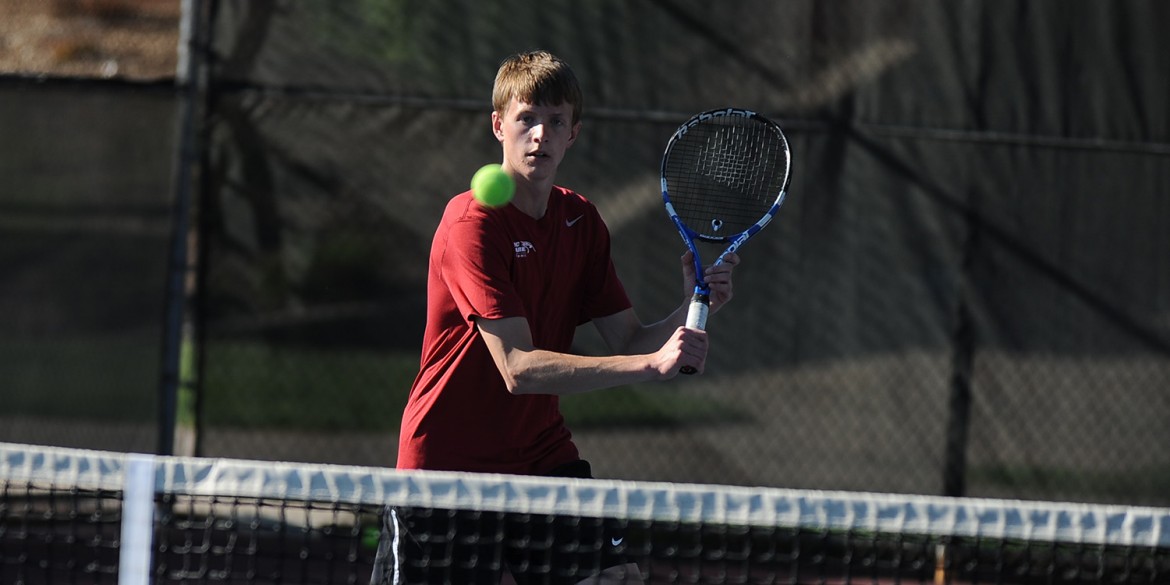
(697, 319)
(697, 314)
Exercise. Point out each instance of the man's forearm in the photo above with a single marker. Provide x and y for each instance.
(546, 372)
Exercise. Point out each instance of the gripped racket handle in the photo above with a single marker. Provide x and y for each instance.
(697, 318)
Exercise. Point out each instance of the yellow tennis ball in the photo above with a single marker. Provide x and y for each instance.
(492, 187)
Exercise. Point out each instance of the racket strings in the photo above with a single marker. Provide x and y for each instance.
(724, 174)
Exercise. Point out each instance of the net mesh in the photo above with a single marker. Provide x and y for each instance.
(723, 172)
(63, 519)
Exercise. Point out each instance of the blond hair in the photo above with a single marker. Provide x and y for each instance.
(538, 78)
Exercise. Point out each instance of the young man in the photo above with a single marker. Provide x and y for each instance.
(507, 289)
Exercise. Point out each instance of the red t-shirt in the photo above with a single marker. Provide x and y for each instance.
(555, 271)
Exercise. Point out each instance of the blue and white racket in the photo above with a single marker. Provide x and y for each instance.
(724, 176)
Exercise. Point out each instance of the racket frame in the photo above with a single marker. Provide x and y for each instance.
(701, 299)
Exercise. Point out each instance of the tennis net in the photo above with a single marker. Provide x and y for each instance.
(77, 516)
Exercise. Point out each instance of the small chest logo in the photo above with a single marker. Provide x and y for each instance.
(523, 248)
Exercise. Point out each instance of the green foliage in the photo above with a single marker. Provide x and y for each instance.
(644, 406)
(99, 378)
(249, 384)
(253, 385)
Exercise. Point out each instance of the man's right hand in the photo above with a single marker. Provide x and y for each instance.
(686, 347)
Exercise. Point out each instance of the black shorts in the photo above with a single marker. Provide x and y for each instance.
(425, 545)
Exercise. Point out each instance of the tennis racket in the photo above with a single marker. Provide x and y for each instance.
(724, 176)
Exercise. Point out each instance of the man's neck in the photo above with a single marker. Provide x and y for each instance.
(532, 198)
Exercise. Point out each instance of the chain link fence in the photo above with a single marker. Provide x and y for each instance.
(965, 293)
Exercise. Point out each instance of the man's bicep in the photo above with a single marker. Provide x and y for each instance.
(504, 335)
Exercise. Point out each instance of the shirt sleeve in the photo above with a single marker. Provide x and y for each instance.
(475, 268)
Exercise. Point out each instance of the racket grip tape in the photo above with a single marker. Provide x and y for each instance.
(697, 314)
(697, 319)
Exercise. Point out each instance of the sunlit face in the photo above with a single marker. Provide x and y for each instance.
(534, 137)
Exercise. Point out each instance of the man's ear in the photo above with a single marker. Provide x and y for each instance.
(496, 126)
(576, 132)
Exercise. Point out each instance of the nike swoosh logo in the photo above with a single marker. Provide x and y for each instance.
(570, 222)
(616, 541)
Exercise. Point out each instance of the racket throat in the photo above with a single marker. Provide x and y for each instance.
(700, 307)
